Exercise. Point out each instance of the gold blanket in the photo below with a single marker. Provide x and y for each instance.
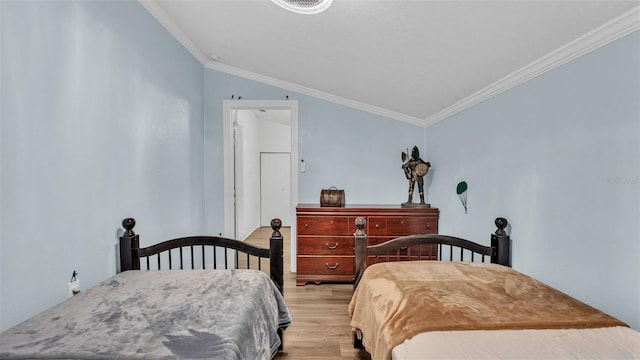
(396, 301)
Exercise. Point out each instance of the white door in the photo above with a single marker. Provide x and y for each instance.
(275, 188)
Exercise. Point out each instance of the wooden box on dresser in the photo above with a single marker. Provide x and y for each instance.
(325, 249)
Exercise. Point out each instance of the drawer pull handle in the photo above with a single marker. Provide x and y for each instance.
(427, 226)
(377, 226)
(402, 222)
(332, 267)
(331, 247)
(306, 226)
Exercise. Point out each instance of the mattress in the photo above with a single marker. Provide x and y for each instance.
(599, 343)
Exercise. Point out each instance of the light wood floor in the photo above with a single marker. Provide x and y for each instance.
(320, 327)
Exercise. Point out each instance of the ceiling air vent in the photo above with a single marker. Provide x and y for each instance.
(304, 6)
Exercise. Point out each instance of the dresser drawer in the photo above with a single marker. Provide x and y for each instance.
(424, 251)
(377, 225)
(399, 226)
(323, 225)
(325, 265)
(324, 245)
(375, 240)
(306, 225)
(333, 225)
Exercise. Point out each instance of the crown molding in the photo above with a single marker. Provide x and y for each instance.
(154, 9)
(314, 93)
(618, 27)
(610, 31)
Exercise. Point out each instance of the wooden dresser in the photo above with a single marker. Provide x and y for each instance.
(325, 236)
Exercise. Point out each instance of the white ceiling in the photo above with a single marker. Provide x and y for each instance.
(414, 61)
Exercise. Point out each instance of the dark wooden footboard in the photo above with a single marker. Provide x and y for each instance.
(430, 247)
(201, 252)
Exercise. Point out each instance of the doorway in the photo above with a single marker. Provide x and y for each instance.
(234, 179)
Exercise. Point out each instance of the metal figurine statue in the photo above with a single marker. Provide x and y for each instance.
(415, 169)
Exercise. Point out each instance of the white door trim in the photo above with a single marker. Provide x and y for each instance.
(228, 107)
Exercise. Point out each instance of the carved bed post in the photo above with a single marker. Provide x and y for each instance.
(501, 244)
(360, 240)
(360, 264)
(276, 247)
(129, 242)
(276, 264)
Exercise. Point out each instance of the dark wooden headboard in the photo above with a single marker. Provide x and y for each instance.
(457, 249)
(131, 252)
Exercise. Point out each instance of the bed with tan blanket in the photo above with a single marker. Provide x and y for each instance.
(221, 312)
(462, 309)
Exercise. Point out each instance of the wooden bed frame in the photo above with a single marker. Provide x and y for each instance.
(131, 252)
(422, 301)
(498, 252)
(145, 314)
(399, 249)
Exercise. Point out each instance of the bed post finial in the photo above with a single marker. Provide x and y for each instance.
(501, 223)
(501, 244)
(128, 224)
(276, 224)
(276, 245)
(360, 223)
(129, 244)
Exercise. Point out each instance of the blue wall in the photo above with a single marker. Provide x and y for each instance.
(350, 149)
(559, 157)
(102, 118)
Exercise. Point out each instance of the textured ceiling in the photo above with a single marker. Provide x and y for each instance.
(415, 61)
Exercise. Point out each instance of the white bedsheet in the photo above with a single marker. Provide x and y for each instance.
(598, 343)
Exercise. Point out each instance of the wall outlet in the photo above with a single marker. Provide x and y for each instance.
(74, 287)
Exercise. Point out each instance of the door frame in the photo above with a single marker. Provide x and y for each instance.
(228, 108)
